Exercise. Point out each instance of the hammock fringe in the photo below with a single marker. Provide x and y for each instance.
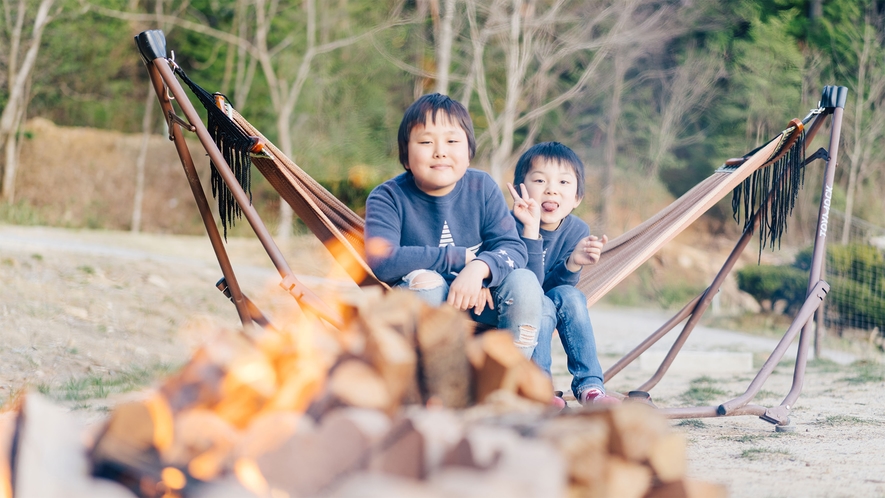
(772, 191)
(234, 145)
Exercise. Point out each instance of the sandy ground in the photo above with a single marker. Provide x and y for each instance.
(90, 304)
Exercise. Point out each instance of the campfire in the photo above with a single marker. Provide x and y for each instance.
(404, 401)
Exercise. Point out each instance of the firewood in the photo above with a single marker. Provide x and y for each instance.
(267, 431)
(583, 443)
(8, 421)
(624, 479)
(50, 459)
(500, 365)
(444, 369)
(635, 429)
(134, 435)
(203, 444)
(301, 380)
(308, 463)
(688, 488)
(401, 452)
(356, 383)
(395, 359)
(249, 381)
(667, 457)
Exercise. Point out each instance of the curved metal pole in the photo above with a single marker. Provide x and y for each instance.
(818, 255)
(811, 304)
(303, 295)
(193, 179)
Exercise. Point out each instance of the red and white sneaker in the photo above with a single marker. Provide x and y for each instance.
(558, 403)
(596, 396)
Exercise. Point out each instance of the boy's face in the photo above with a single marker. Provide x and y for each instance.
(438, 154)
(555, 187)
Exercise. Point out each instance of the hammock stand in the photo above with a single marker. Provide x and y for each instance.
(341, 230)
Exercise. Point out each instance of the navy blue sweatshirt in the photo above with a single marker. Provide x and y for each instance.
(434, 233)
(547, 255)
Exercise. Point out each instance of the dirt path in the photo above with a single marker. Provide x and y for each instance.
(86, 314)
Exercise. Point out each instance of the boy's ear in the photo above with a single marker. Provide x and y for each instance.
(578, 201)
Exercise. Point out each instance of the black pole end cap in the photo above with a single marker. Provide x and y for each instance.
(151, 44)
(834, 96)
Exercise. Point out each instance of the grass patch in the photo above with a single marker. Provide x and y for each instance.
(87, 269)
(21, 213)
(759, 453)
(744, 438)
(866, 372)
(766, 394)
(824, 365)
(101, 386)
(693, 423)
(701, 390)
(833, 420)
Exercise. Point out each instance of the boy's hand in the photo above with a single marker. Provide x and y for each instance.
(587, 252)
(527, 211)
(466, 291)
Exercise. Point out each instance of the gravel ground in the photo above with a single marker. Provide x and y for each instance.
(79, 306)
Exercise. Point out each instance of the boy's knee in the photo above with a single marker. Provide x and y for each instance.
(526, 339)
(568, 297)
(424, 279)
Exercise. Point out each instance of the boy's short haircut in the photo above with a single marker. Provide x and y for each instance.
(432, 104)
(553, 151)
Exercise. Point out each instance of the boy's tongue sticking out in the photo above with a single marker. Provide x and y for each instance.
(550, 206)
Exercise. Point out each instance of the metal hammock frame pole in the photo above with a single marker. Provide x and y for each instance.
(340, 229)
(152, 45)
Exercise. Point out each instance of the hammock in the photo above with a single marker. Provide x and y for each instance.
(341, 230)
(764, 186)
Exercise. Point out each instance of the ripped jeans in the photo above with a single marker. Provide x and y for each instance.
(565, 309)
(519, 302)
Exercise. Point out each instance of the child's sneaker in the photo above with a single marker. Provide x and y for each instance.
(597, 397)
(558, 403)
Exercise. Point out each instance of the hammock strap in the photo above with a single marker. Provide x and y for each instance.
(772, 190)
(235, 146)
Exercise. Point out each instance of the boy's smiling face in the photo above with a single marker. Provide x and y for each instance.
(554, 186)
(438, 154)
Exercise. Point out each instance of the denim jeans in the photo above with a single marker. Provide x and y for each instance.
(565, 309)
(518, 305)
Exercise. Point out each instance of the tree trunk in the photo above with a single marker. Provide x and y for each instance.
(511, 98)
(14, 112)
(146, 123)
(444, 47)
(611, 144)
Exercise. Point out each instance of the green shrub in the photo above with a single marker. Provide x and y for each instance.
(773, 283)
(856, 274)
(856, 303)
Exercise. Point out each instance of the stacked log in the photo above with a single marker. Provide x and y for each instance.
(404, 401)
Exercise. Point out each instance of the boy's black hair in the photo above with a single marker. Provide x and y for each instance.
(553, 151)
(417, 114)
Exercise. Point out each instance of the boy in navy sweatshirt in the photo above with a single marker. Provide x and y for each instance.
(551, 182)
(444, 231)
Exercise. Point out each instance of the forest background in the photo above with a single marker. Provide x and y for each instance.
(648, 92)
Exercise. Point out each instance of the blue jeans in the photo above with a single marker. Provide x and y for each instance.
(518, 304)
(565, 310)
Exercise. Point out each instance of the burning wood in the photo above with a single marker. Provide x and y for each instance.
(404, 400)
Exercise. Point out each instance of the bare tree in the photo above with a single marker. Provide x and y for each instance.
(866, 123)
(443, 45)
(20, 56)
(536, 41)
(286, 64)
(688, 87)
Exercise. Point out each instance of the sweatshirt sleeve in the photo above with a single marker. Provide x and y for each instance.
(393, 261)
(535, 252)
(559, 273)
(503, 249)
